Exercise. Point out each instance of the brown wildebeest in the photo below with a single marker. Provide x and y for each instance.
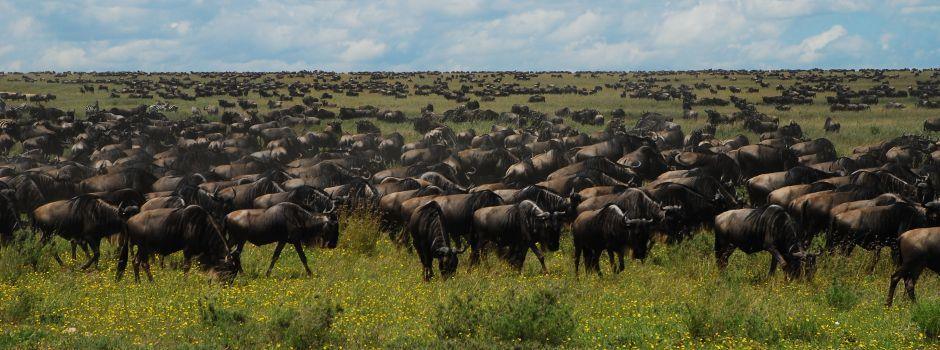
(612, 230)
(282, 223)
(190, 229)
(517, 227)
(919, 249)
(431, 241)
(769, 229)
(85, 219)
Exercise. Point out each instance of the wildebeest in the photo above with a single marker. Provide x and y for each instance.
(281, 223)
(190, 229)
(919, 249)
(84, 219)
(758, 187)
(431, 241)
(517, 227)
(768, 228)
(609, 229)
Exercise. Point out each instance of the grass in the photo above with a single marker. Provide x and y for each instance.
(368, 292)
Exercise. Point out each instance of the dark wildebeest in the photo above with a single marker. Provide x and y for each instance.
(761, 159)
(758, 187)
(874, 227)
(243, 196)
(535, 169)
(190, 229)
(517, 227)
(812, 210)
(137, 179)
(547, 200)
(458, 211)
(768, 228)
(431, 241)
(311, 198)
(84, 219)
(282, 223)
(612, 230)
(919, 249)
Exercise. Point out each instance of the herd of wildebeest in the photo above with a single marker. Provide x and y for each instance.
(158, 186)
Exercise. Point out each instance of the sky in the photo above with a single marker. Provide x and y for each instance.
(409, 35)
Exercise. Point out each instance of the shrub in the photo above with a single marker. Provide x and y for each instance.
(538, 317)
(22, 307)
(841, 297)
(308, 328)
(214, 316)
(926, 316)
(458, 317)
(23, 252)
(360, 232)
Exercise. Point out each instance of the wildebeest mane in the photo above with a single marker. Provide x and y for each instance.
(194, 224)
(542, 196)
(773, 220)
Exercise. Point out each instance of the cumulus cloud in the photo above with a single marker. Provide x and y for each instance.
(810, 47)
(363, 50)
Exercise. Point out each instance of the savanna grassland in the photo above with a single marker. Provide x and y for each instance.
(368, 292)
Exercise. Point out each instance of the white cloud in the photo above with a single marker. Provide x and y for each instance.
(587, 24)
(809, 48)
(704, 23)
(181, 27)
(885, 40)
(363, 50)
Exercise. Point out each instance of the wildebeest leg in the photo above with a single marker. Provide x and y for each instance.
(538, 254)
(137, 258)
(303, 258)
(277, 253)
(95, 254)
(910, 281)
(874, 261)
(620, 255)
(577, 259)
(55, 254)
(723, 251)
(779, 258)
(773, 266)
(426, 261)
(187, 261)
(146, 263)
(610, 259)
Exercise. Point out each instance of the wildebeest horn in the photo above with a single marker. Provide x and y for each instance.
(443, 251)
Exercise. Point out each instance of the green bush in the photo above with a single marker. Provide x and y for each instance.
(308, 328)
(23, 252)
(214, 316)
(361, 232)
(536, 317)
(841, 297)
(22, 307)
(926, 316)
(458, 317)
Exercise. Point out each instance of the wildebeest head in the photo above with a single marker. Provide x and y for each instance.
(542, 226)
(447, 260)
(329, 226)
(802, 265)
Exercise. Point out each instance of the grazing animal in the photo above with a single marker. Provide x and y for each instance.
(84, 219)
(612, 230)
(431, 241)
(517, 227)
(282, 223)
(768, 228)
(919, 249)
(190, 229)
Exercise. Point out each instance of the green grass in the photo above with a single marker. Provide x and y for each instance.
(368, 292)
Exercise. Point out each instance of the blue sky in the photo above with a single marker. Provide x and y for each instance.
(272, 35)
